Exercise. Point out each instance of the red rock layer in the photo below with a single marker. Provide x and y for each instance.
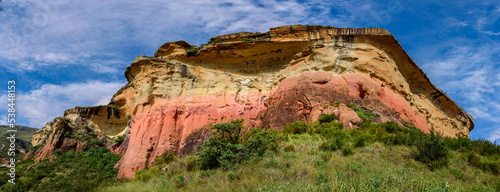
(161, 126)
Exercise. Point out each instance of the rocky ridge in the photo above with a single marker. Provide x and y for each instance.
(288, 74)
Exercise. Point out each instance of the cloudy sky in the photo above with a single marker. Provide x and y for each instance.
(66, 53)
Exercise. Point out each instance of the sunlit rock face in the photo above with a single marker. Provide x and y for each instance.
(270, 79)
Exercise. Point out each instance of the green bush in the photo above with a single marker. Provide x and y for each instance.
(298, 127)
(328, 129)
(336, 104)
(365, 115)
(491, 165)
(226, 147)
(336, 140)
(258, 141)
(325, 118)
(391, 127)
(472, 158)
(433, 151)
(70, 171)
(119, 140)
(362, 138)
(192, 52)
(347, 150)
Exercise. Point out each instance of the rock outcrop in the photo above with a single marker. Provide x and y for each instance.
(288, 74)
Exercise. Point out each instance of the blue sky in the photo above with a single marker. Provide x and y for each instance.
(66, 53)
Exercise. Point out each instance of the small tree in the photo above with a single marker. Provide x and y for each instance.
(227, 146)
(221, 149)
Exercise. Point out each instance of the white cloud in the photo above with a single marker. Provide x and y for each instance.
(468, 72)
(40, 106)
(72, 32)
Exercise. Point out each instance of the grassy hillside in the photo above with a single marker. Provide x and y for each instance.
(376, 167)
(23, 140)
(325, 157)
(321, 156)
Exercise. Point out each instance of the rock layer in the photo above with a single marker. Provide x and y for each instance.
(269, 79)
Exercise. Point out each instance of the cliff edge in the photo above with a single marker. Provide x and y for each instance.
(290, 73)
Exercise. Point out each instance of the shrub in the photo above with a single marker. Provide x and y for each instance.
(472, 158)
(485, 147)
(192, 52)
(166, 159)
(298, 127)
(221, 149)
(258, 141)
(119, 140)
(365, 115)
(325, 118)
(362, 139)
(334, 139)
(490, 165)
(433, 151)
(391, 127)
(328, 129)
(347, 150)
(226, 147)
(70, 171)
(336, 104)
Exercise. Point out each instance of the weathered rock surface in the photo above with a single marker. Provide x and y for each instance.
(269, 79)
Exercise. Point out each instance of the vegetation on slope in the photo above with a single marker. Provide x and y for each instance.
(23, 140)
(322, 156)
(70, 171)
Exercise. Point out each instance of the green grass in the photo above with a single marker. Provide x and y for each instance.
(321, 156)
(376, 167)
(389, 159)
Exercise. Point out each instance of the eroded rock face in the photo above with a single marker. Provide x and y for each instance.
(77, 128)
(276, 78)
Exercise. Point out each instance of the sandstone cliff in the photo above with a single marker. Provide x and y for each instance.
(288, 74)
